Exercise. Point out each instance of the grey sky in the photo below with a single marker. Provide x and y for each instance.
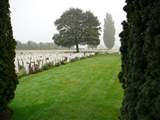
(34, 19)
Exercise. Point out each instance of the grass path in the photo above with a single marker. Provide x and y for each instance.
(84, 90)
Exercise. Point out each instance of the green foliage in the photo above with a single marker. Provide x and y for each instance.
(77, 27)
(8, 78)
(109, 31)
(91, 26)
(140, 74)
(50, 65)
(83, 90)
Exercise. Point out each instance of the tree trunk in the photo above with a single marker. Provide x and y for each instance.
(77, 48)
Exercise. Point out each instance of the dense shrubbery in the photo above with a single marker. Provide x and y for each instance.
(140, 50)
(8, 78)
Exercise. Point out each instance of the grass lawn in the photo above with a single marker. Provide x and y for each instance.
(84, 90)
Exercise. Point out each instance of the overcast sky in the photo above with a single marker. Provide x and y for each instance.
(34, 19)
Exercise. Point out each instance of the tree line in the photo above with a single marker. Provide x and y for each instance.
(31, 45)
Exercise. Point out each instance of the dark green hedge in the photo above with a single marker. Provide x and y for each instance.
(8, 78)
(140, 48)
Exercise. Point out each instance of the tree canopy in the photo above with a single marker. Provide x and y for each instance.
(77, 28)
(109, 31)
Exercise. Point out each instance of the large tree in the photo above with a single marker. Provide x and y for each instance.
(140, 74)
(8, 78)
(109, 31)
(77, 27)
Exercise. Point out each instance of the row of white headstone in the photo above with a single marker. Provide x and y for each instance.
(33, 62)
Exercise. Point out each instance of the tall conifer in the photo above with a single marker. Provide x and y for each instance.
(140, 73)
(8, 78)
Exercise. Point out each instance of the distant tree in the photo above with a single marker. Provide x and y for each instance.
(140, 72)
(32, 45)
(92, 46)
(109, 31)
(8, 78)
(75, 28)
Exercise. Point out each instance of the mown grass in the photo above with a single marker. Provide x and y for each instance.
(83, 90)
